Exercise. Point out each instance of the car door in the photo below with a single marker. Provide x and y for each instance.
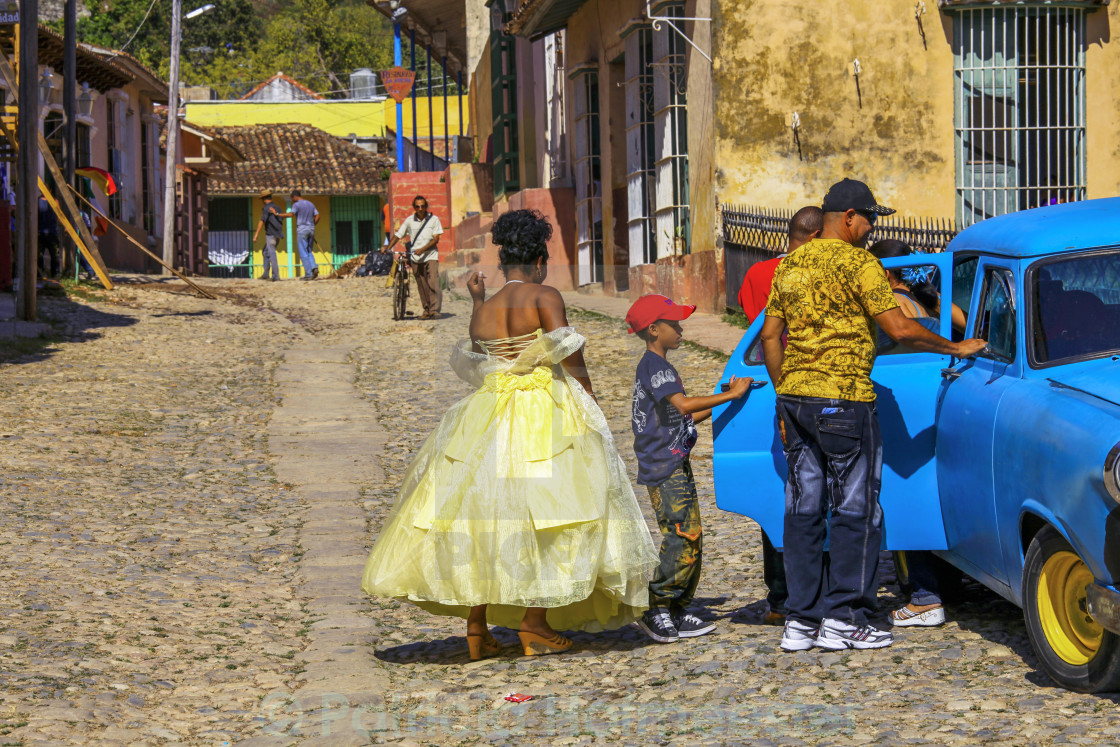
(970, 397)
(749, 465)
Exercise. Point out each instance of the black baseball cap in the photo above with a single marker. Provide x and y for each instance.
(849, 194)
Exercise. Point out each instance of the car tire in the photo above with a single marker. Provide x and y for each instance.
(1075, 651)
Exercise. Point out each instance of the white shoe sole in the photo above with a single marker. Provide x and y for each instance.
(696, 633)
(640, 625)
(837, 644)
(804, 645)
(928, 619)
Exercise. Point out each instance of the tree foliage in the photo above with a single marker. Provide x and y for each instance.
(244, 42)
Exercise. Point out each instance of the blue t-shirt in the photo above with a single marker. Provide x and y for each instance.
(305, 214)
(662, 436)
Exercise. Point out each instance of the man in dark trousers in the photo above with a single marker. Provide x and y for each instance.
(829, 295)
(48, 240)
(804, 226)
(273, 227)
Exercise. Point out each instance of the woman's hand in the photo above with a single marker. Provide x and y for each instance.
(476, 286)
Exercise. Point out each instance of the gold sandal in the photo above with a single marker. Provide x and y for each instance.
(538, 645)
(482, 646)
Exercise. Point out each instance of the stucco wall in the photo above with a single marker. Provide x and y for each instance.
(775, 58)
(339, 118)
(1102, 78)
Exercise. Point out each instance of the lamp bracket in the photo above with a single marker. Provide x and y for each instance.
(658, 20)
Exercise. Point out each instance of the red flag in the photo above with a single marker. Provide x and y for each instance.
(103, 179)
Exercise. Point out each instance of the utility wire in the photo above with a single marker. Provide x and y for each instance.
(134, 33)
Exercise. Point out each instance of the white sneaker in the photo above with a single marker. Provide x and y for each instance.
(906, 617)
(840, 635)
(798, 636)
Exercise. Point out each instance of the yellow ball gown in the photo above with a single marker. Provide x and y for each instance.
(518, 499)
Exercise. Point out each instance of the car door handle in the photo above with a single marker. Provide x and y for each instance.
(950, 374)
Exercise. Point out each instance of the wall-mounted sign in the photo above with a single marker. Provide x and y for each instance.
(398, 82)
(9, 11)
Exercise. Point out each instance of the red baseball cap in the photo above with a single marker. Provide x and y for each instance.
(649, 309)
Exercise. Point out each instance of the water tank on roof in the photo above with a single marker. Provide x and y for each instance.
(364, 84)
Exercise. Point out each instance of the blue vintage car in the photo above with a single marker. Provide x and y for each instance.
(1006, 465)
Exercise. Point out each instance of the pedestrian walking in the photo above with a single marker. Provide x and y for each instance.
(423, 230)
(804, 226)
(517, 510)
(828, 296)
(273, 231)
(307, 217)
(664, 419)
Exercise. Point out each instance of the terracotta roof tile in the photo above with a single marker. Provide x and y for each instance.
(282, 157)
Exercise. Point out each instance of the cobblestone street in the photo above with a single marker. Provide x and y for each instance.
(190, 489)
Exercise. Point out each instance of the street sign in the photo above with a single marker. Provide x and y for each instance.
(9, 12)
(398, 82)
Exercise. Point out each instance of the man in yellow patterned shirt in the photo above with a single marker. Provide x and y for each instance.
(828, 295)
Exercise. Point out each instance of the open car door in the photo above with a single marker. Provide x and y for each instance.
(749, 465)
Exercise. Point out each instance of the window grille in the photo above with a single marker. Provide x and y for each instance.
(1020, 109)
(670, 121)
(150, 179)
(503, 88)
(589, 189)
(554, 96)
(640, 146)
(114, 139)
(84, 149)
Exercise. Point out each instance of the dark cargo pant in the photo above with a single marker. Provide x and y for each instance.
(834, 450)
(678, 515)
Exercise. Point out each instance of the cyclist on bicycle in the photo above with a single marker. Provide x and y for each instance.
(423, 230)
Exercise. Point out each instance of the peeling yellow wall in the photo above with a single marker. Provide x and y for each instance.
(1102, 96)
(773, 59)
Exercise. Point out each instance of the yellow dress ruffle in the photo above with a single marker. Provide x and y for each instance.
(518, 499)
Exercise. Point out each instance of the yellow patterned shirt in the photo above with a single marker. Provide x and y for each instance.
(828, 292)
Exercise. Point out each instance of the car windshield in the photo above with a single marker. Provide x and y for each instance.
(1077, 307)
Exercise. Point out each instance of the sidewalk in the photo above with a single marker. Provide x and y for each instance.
(10, 327)
(708, 330)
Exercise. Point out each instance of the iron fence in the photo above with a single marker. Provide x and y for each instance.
(753, 234)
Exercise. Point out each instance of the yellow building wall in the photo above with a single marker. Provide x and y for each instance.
(1102, 95)
(773, 59)
(339, 118)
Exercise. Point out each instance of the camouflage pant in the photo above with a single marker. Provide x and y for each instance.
(678, 514)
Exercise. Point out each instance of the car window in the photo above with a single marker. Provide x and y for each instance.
(754, 353)
(964, 278)
(996, 322)
(919, 297)
(1076, 307)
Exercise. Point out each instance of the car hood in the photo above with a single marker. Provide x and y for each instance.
(1102, 384)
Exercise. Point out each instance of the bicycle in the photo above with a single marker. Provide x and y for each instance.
(402, 267)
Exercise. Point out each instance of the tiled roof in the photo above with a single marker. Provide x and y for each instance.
(283, 157)
(287, 79)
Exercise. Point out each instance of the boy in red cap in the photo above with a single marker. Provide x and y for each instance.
(664, 422)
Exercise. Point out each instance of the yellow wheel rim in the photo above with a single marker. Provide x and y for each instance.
(1071, 632)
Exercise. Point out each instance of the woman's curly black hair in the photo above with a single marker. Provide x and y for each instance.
(925, 292)
(523, 236)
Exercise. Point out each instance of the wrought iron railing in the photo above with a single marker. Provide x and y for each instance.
(753, 234)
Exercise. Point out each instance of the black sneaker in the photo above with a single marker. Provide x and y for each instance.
(315, 274)
(689, 625)
(656, 623)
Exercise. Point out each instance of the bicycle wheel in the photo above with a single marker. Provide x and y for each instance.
(400, 294)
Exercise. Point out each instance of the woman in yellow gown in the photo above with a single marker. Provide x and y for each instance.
(517, 510)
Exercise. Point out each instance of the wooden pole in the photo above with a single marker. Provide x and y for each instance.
(69, 107)
(170, 270)
(52, 168)
(172, 139)
(27, 168)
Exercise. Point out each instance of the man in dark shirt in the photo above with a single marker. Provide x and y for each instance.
(273, 227)
(48, 238)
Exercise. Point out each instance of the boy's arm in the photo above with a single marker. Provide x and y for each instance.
(260, 225)
(702, 406)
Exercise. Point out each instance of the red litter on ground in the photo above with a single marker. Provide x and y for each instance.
(518, 698)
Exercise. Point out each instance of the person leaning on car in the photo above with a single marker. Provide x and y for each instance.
(829, 295)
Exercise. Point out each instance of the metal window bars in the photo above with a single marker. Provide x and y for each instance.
(1020, 109)
(640, 146)
(754, 234)
(671, 215)
(589, 190)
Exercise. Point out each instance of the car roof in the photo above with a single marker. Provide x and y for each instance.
(1046, 230)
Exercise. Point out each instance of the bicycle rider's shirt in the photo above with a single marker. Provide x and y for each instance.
(417, 238)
